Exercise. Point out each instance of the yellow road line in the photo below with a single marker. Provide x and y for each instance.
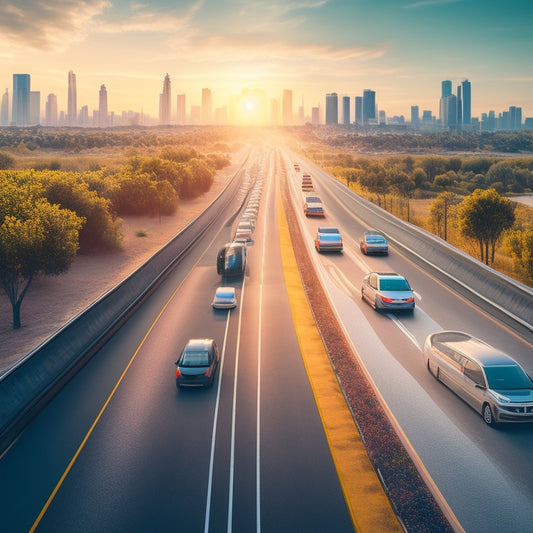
(369, 506)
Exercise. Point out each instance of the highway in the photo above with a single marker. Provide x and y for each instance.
(121, 449)
(482, 472)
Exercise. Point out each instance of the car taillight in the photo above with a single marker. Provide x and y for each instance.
(387, 300)
(178, 373)
(410, 300)
(207, 372)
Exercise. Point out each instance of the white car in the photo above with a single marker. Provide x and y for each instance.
(224, 298)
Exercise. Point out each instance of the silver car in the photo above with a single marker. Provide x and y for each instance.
(387, 291)
(488, 380)
(372, 242)
(224, 298)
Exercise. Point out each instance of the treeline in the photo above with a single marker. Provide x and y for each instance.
(467, 202)
(75, 140)
(425, 176)
(504, 142)
(47, 216)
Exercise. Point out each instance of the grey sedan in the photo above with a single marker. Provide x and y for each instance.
(387, 291)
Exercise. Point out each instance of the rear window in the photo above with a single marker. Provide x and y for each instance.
(399, 284)
(375, 239)
(195, 358)
(330, 237)
(225, 293)
(507, 377)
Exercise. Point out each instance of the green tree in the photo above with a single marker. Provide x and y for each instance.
(44, 240)
(440, 210)
(483, 216)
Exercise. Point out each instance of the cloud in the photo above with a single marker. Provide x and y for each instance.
(424, 3)
(50, 25)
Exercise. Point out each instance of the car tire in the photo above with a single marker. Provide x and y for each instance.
(487, 414)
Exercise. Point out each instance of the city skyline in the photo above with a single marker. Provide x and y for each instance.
(402, 50)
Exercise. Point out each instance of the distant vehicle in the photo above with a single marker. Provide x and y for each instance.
(243, 236)
(372, 242)
(488, 380)
(297, 167)
(245, 225)
(231, 259)
(224, 298)
(328, 240)
(387, 291)
(313, 209)
(197, 364)
(306, 175)
(316, 199)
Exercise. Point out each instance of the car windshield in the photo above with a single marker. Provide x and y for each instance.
(328, 230)
(507, 377)
(192, 358)
(393, 284)
(315, 209)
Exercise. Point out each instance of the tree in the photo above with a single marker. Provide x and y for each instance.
(483, 216)
(44, 240)
(439, 212)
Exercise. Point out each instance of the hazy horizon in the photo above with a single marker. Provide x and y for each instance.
(400, 49)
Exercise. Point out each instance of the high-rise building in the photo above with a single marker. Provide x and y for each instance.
(51, 110)
(165, 102)
(467, 102)
(332, 108)
(359, 110)
(103, 118)
(72, 109)
(446, 89)
(20, 114)
(369, 107)
(448, 112)
(415, 117)
(515, 118)
(180, 109)
(286, 106)
(207, 107)
(4, 110)
(346, 110)
(315, 116)
(35, 108)
(459, 116)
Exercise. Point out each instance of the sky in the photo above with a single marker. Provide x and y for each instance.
(402, 49)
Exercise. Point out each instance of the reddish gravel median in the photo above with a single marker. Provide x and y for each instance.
(413, 502)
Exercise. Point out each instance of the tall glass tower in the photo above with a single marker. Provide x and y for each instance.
(467, 102)
(332, 108)
(102, 107)
(369, 106)
(346, 110)
(164, 102)
(207, 107)
(72, 110)
(20, 114)
(446, 89)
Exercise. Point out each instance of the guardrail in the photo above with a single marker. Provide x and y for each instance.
(506, 298)
(32, 382)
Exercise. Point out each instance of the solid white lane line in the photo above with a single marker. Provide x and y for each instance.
(233, 417)
(214, 430)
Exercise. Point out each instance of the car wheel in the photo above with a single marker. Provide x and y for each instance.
(488, 417)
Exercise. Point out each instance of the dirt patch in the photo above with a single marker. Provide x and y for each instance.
(52, 301)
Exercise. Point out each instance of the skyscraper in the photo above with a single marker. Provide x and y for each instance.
(415, 117)
(20, 114)
(207, 107)
(4, 110)
(369, 106)
(180, 109)
(359, 110)
(35, 108)
(467, 102)
(51, 110)
(286, 106)
(102, 107)
(346, 110)
(165, 102)
(332, 108)
(446, 89)
(459, 111)
(72, 110)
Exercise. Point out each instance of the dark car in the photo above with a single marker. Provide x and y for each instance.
(231, 260)
(328, 239)
(387, 291)
(372, 242)
(197, 364)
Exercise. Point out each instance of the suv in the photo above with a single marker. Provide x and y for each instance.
(231, 260)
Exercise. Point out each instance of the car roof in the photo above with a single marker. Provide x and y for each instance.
(388, 275)
(222, 290)
(483, 353)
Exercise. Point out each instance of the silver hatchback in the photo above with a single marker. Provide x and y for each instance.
(488, 380)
